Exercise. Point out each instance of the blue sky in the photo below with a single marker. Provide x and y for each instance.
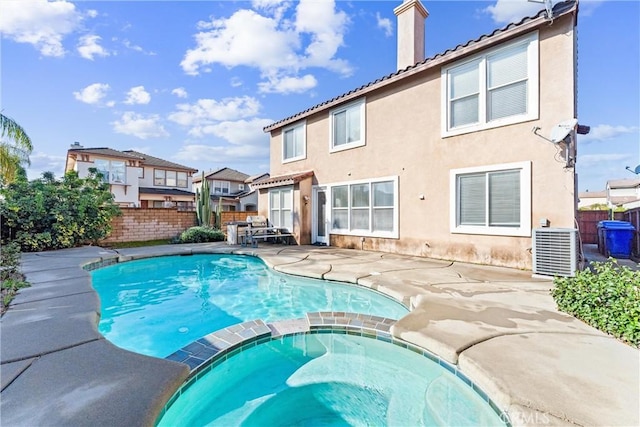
(196, 81)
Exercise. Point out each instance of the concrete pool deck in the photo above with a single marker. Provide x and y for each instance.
(500, 326)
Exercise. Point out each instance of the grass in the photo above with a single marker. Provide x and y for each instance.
(9, 288)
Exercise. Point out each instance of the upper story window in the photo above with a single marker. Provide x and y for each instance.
(165, 178)
(492, 200)
(347, 126)
(221, 187)
(294, 143)
(113, 171)
(496, 88)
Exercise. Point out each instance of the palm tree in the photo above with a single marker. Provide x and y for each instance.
(15, 148)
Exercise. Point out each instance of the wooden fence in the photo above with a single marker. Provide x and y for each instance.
(588, 225)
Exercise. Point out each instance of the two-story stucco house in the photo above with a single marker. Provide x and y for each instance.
(439, 158)
(231, 188)
(136, 179)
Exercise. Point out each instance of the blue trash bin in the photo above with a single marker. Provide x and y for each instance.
(617, 238)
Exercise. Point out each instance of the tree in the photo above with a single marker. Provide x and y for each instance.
(47, 213)
(15, 148)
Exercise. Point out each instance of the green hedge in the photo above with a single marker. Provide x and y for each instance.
(201, 234)
(606, 297)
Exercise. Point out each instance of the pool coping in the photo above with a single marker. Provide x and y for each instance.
(210, 351)
(51, 346)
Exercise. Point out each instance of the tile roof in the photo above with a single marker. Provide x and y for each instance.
(150, 160)
(256, 177)
(277, 181)
(438, 59)
(623, 183)
(109, 152)
(146, 159)
(226, 174)
(592, 194)
(165, 191)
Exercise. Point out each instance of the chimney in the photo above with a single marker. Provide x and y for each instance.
(411, 16)
(76, 145)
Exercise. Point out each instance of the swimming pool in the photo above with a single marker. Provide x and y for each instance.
(156, 306)
(329, 379)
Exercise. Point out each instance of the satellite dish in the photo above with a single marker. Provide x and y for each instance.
(561, 130)
(636, 170)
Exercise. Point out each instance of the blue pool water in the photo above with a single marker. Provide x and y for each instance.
(329, 379)
(156, 306)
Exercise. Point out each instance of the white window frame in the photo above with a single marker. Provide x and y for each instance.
(278, 222)
(361, 104)
(531, 42)
(293, 127)
(109, 177)
(524, 230)
(221, 184)
(394, 234)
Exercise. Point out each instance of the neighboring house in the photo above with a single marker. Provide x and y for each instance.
(438, 158)
(249, 198)
(591, 198)
(136, 179)
(623, 192)
(227, 186)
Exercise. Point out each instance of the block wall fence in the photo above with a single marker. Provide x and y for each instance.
(142, 224)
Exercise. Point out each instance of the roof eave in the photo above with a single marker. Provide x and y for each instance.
(485, 41)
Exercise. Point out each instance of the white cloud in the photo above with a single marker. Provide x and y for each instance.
(42, 162)
(326, 27)
(272, 44)
(136, 48)
(137, 95)
(92, 13)
(236, 81)
(238, 132)
(246, 38)
(180, 92)
(89, 46)
(93, 94)
(140, 126)
(222, 154)
(40, 23)
(606, 132)
(206, 112)
(507, 11)
(286, 85)
(384, 24)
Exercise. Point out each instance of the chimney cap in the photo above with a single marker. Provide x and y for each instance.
(408, 4)
(76, 144)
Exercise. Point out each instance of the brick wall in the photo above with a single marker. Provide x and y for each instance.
(138, 224)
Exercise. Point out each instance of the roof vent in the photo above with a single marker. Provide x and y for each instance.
(76, 144)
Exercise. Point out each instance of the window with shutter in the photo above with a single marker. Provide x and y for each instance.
(347, 126)
(492, 200)
(496, 88)
(365, 208)
(293, 143)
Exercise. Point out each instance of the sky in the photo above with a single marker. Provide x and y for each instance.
(194, 82)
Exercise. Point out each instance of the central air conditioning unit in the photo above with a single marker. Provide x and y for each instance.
(555, 251)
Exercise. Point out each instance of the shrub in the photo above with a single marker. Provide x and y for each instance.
(11, 279)
(607, 298)
(201, 234)
(48, 213)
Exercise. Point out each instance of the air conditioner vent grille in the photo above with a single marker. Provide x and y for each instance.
(555, 251)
